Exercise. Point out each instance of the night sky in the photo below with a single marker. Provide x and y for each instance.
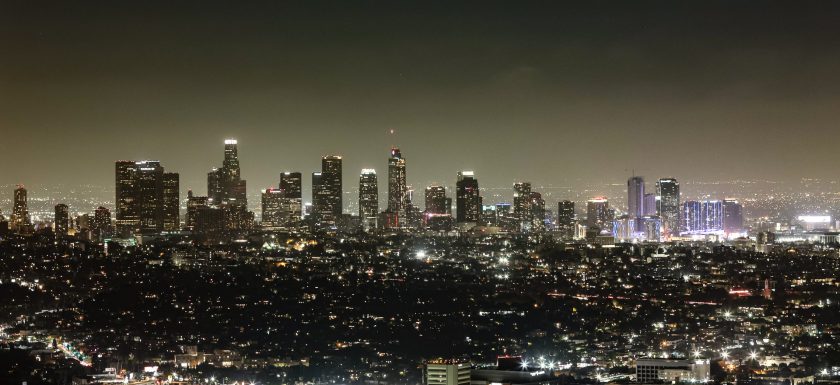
(555, 93)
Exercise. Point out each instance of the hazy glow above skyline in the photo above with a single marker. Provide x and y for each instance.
(564, 95)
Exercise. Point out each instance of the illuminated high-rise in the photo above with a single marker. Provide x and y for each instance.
(171, 202)
(733, 218)
(702, 217)
(436, 200)
(566, 218)
(146, 196)
(227, 190)
(272, 208)
(565, 213)
(101, 223)
(332, 202)
(61, 220)
(598, 213)
(20, 210)
(636, 197)
(537, 215)
(193, 204)
(291, 186)
(368, 198)
(522, 205)
(668, 205)
(327, 191)
(397, 185)
(650, 205)
(467, 198)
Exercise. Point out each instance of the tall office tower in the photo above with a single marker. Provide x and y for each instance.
(397, 187)
(368, 198)
(537, 212)
(101, 223)
(193, 204)
(20, 211)
(598, 213)
(668, 205)
(650, 205)
(320, 200)
(127, 209)
(272, 208)
(62, 220)
(522, 205)
(566, 215)
(141, 196)
(702, 217)
(291, 186)
(447, 372)
(226, 189)
(331, 202)
(436, 200)
(149, 185)
(171, 202)
(636, 197)
(733, 219)
(467, 198)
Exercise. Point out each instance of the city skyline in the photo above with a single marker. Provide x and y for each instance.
(419, 192)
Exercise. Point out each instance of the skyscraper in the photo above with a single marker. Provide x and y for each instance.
(522, 205)
(650, 205)
(468, 198)
(328, 206)
(126, 195)
(566, 219)
(435, 200)
(668, 205)
(272, 208)
(171, 202)
(20, 211)
(733, 219)
(227, 190)
(598, 213)
(142, 199)
(566, 214)
(702, 217)
(291, 186)
(150, 196)
(320, 197)
(636, 197)
(101, 223)
(62, 220)
(537, 215)
(397, 186)
(368, 198)
(193, 204)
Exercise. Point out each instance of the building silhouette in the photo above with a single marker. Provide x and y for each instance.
(368, 198)
(467, 198)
